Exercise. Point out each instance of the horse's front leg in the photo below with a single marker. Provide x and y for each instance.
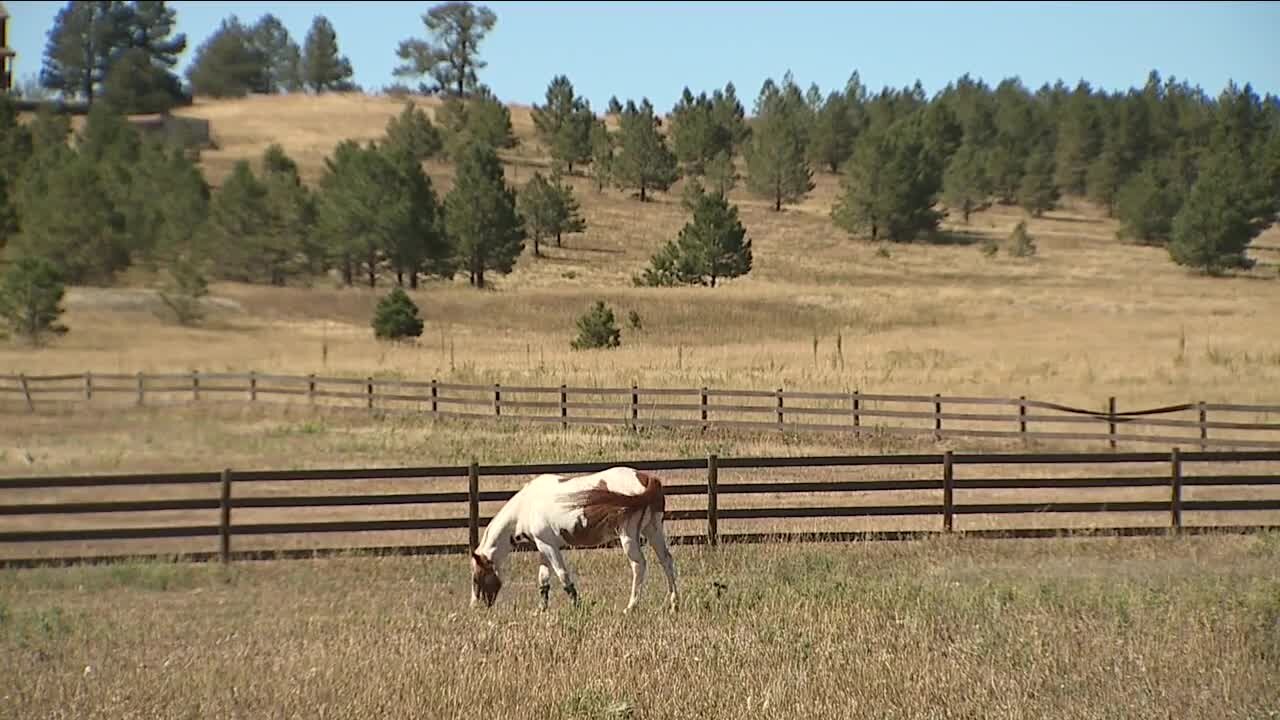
(544, 583)
(558, 566)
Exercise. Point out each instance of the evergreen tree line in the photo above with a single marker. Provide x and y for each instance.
(124, 53)
(97, 202)
(1199, 175)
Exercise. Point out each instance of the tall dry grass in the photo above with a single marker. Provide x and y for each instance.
(1186, 628)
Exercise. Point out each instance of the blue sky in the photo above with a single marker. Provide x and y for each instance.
(654, 49)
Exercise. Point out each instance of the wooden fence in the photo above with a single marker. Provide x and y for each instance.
(1166, 479)
(1205, 425)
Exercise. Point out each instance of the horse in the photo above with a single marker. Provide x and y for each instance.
(556, 512)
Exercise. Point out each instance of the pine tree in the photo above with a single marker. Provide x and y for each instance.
(570, 211)
(965, 186)
(712, 245)
(31, 293)
(481, 216)
(136, 74)
(136, 85)
(1036, 191)
(597, 329)
(721, 174)
(643, 161)
(285, 251)
(696, 136)
(539, 205)
(890, 184)
(1145, 206)
(166, 207)
(323, 69)
(452, 60)
(833, 133)
(602, 146)
(396, 317)
(280, 55)
(1103, 179)
(1078, 143)
(84, 39)
(775, 155)
(412, 132)
(416, 242)
(68, 217)
(16, 142)
(564, 124)
(480, 119)
(237, 232)
(228, 63)
(1214, 227)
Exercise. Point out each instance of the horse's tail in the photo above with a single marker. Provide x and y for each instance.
(601, 502)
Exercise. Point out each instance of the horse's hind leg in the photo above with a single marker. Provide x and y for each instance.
(658, 537)
(631, 545)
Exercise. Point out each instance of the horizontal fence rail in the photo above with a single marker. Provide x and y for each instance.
(943, 478)
(1203, 425)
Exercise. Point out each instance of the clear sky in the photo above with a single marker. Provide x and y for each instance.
(654, 49)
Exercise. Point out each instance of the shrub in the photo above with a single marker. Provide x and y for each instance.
(30, 298)
(1020, 242)
(597, 329)
(396, 317)
(990, 247)
(633, 319)
(183, 292)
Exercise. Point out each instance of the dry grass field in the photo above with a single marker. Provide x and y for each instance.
(1186, 628)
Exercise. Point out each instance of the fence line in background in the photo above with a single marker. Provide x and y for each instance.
(701, 408)
(1170, 471)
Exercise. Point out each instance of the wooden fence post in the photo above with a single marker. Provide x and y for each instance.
(253, 386)
(497, 400)
(948, 488)
(473, 505)
(1175, 482)
(702, 403)
(713, 513)
(780, 425)
(369, 390)
(857, 414)
(141, 388)
(937, 416)
(635, 407)
(88, 385)
(311, 388)
(224, 522)
(1111, 414)
(435, 397)
(26, 392)
(1022, 416)
(564, 407)
(195, 385)
(1204, 428)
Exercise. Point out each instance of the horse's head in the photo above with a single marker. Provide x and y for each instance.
(485, 582)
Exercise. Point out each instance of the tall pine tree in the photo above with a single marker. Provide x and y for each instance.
(323, 68)
(481, 216)
(777, 167)
(643, 161)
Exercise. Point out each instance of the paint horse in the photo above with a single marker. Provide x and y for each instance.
(555, 512)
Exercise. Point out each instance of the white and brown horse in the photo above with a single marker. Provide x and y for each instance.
(555, 512)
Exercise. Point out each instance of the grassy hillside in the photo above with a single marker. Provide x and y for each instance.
(1089, 316)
